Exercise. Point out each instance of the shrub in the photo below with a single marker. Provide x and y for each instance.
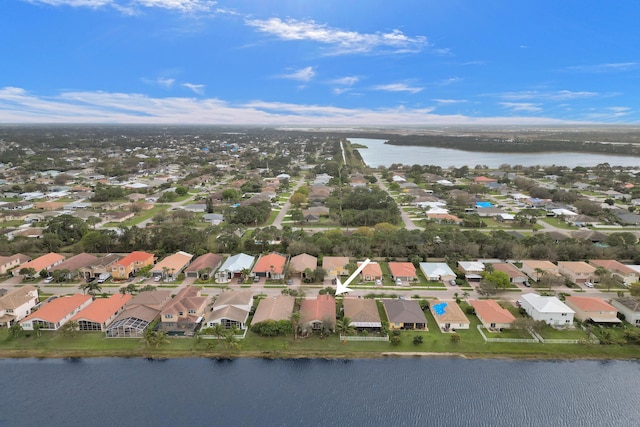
(418, 339)
(395, 340)
(455, 337)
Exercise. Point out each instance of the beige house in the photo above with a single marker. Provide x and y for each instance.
(170, 267)
(17, 304)
(275, 308)
(9, 262)
(300, 263)
(449, 316)
(592, 309)
(363, 313)
(492, 315)
(335, 266)
(627, 274)
(515, 275)
(535, 268)
(578, 272)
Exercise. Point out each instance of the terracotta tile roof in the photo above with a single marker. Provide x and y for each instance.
(544, 265)
(59, 308)
(577, 266)
(589, 304)
(613, 266)
(274, 260)
(510, 269)
(43, 262)
(372, 269)
(102, 309)
(174, 262)
(276, 308)
(402, 269)
(489, 311)
(321, 308)
(137, 256)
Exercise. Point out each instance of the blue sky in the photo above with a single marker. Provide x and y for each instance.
(324, 63)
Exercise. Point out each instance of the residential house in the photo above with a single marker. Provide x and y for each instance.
(101, 312)
(437, 271)
(335, 266)
(548, 309)
(74, 264)
(51, 316)
(629, 307)
(363, 313)
(472, 270)
(302, 264)
(449, 316)
(130, 265)
(9, 262)
(138, 314)
(492, 315)
(404, 314)
(45, 262)
(592, 309)
(403, 272)
(274, 308)
(536, 268)
(578, 272)
(204, 266)
(118, 217)
(271, 266)
(101, 266)
(17, 304)
(231, 310)
(318, 314)
(515, 275)
(371, 272)
(171, 266)
(233, 267)
(184, 312)
(625, 273)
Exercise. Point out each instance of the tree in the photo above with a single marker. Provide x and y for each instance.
(634, 289)
(156, 338)
(295, 323)
(16, 330)
(418, 339)
(486, 288)
(92, 288)
(344, 327)
(298, 199)
(499, 278)
(29, 272)
(70, 328)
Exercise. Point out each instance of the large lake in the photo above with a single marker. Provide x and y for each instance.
(379, 392)
(380, 154)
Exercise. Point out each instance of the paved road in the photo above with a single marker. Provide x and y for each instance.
(408, 222)
(285, 208)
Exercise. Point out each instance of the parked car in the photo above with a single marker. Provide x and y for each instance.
(398, 281)
(157, 278)
(588, 284)
(527, 284)
(289, 282)
(48, 279)
(378, 282)
(256, 279)
(452, 282)
(240, 279)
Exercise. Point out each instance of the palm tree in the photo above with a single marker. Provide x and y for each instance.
(92, 288)
(156, 338)
(344, 327)
(295, 323)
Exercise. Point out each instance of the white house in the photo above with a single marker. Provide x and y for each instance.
(437, 271)
(17, 304)
(233, 266)
(549, 309)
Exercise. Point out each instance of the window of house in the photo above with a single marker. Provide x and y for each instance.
(192, 312)
(168, 316)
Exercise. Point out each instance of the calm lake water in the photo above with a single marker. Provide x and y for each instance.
(380, 154)
(256, 392)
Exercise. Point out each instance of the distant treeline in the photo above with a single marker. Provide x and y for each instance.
(516, 145)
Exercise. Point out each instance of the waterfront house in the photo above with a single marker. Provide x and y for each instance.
(363, 313)
(593, 309)
(51, 316)
(403, 272)
(437, 271)
(318, 314)
(101, 312)
(492, 315)
(231, 309)
(204, 266)
(335, 266)
(171, 266)
(17, 304)
(629, 307)
(449, 316)
(404, 314)
(271, 266)
(233, 267)
(274, 308)
(578, 272)
(301, 264)
(130, 265)
(138, 314)
(548, 309)
(184, 312)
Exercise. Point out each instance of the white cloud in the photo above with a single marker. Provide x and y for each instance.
(19, 106)
(605, 68)
(522, 106)
(303, 74)
(560, 95)
(346, 81)
(129, 6)
(165, 82)
(450, 101)
(199, 89)
(342, 41)
(398, 87)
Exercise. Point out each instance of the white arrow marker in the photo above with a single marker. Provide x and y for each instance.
(340, 288)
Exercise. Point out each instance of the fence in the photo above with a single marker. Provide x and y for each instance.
(214, 337)
(533, 339)
(360, 338)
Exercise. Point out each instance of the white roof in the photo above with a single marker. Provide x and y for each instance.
(563, 212)
(546, 304)
(471, 265)
(433, 269)
(237, 263)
